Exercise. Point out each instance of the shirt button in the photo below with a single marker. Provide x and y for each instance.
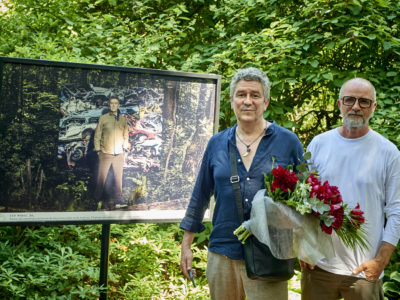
(239, 160)
(248, 178)
(247, 200)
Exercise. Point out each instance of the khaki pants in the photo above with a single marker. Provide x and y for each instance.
(318, 284)
(227, 279)
(107, 161)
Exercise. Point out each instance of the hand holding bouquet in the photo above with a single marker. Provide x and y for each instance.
(313, 204)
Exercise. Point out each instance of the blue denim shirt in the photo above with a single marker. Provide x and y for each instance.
(214, 179)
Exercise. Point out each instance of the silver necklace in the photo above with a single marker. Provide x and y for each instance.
(248, 150)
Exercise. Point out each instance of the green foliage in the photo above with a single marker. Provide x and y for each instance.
(49, 262)
(202, 237)
(144, 263)
(62, 262)
(308, 49)
(391, 284)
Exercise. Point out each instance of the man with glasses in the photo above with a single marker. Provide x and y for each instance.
(366, 168)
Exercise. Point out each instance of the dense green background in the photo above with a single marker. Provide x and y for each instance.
(308, 48)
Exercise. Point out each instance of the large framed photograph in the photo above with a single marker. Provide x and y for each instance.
(83, 143)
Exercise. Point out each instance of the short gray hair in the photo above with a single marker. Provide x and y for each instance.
(250, 74)
(361, 80)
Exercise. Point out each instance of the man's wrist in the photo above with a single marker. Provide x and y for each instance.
(385, 252)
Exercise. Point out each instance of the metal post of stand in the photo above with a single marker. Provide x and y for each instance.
(105, 244)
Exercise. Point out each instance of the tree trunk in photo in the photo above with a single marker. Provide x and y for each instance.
(169, 123)
(199, 140)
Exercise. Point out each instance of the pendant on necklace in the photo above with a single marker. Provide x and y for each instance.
(247, 151)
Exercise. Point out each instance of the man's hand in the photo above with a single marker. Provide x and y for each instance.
(186, 254)
(304, 265)
(374, 267)
(186, 262)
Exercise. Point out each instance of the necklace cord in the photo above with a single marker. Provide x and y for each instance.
(248, 146)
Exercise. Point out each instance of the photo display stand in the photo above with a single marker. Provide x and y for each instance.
(50, 125)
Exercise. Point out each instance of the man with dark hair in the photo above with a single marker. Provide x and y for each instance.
(365, 167)
(110, 139)
(255, 142)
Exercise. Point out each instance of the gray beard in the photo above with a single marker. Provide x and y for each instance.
(355, 122)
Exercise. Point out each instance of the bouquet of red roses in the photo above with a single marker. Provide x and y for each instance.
(309, 197)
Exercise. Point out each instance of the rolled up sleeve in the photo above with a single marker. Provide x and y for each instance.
(200, 198)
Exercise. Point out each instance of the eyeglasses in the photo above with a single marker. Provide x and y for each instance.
(363, 102)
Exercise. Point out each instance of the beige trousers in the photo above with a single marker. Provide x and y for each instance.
(227, 280)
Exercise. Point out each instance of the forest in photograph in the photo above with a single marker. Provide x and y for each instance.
(308, 48)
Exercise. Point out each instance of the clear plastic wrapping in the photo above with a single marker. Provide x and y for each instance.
(286, 232)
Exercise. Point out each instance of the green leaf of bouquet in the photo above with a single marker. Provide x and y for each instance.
(328, 219)
(318, 206)
(302, 168)
(307, 155)
(291, 203)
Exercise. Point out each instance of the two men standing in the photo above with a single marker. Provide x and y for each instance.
(364, 165)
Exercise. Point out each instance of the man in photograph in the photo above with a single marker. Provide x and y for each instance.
(111, 138)
(365, 166)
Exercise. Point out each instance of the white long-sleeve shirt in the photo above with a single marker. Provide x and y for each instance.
(367, 171)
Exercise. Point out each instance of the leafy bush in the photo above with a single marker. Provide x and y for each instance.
(49, 262)
(308, 48)
(391, 284)
(144, 263)
(62, 262)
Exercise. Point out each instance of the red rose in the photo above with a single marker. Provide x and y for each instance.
(325, 192)
(325, 228)
(320, 191)
(284, 179)
(337, 212)
(313, 180)
(334, 194)
(358, 216)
